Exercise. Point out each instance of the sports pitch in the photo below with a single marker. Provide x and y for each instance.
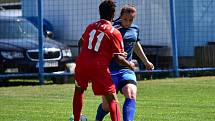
(173, 99)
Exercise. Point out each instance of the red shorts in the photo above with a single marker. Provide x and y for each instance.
(102, 83)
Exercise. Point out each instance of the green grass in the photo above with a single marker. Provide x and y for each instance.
(175, 99)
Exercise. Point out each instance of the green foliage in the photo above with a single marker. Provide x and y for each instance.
(173, 99)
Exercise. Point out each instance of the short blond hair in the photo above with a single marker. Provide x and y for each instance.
(128, 9)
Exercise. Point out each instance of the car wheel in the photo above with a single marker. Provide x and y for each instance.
(65, 79)
(60, 80)
(4, 80)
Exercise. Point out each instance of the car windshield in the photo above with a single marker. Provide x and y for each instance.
(17, 29)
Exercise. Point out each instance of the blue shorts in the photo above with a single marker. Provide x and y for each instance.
(123, 77)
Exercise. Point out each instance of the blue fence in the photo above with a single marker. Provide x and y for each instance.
(176, 35)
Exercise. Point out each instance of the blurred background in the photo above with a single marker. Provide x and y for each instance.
(177, 36)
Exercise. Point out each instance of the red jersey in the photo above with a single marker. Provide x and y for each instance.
(99, 41)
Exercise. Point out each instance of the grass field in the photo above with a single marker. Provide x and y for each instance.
(181, 99)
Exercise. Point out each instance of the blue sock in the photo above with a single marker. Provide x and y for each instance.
(129, 109)
(101, 113)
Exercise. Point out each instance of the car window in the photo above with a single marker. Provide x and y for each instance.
(17, 29)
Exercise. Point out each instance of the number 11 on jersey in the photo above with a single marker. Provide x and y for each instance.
(98, 40)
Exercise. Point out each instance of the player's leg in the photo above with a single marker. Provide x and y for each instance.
(102, 110)
(77, 102)
(81, 84)
(129, 89)
(129, 106)
(103, 85)
(114, 107)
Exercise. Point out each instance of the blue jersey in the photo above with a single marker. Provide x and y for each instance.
(130, 37)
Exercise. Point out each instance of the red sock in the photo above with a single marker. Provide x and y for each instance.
(115, 111)
(77, 105)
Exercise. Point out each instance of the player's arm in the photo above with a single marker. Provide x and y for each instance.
(120, 59)
(80, 42)
(120, 55)
(140, 53)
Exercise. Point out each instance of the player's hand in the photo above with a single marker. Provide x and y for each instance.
(124, 54)
(149, 65)
(132, 65)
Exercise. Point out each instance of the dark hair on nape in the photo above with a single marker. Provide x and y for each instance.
(107, 10)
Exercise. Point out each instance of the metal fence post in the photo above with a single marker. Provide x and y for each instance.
(40, 36)
(174, 38)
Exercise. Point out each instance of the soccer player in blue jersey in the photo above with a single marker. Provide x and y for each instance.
(123, 77)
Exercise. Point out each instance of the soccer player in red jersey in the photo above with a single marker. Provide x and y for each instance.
(100, 43)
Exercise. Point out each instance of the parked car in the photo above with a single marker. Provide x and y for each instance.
(10, 9)
(11, 12)
(47, 26)
(19, 49)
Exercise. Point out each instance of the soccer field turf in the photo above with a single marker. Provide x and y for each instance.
(174, 99)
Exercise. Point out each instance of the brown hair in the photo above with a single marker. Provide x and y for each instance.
(128, 9)
(107, 10)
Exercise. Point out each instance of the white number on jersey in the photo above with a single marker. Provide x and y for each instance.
(98, 41)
